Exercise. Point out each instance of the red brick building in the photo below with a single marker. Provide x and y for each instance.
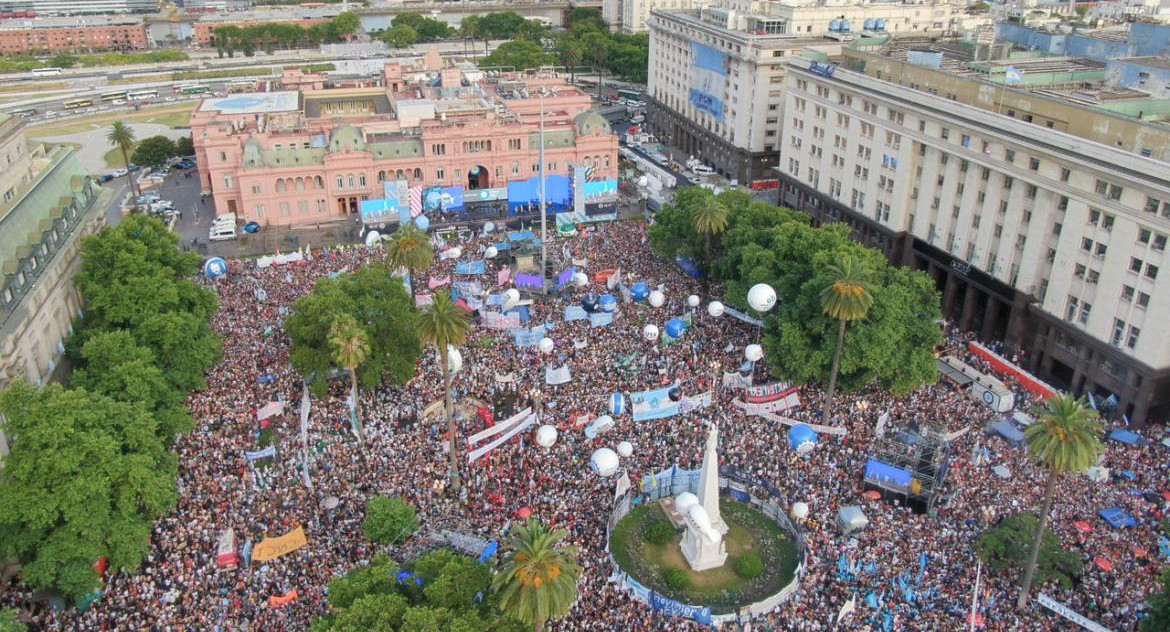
(80, 34)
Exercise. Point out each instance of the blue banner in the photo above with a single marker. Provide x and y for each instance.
(670, 607)
(528, 337)
(655, 404)
(887, 475)
(575, 312)
(601, 319)
(470, 267)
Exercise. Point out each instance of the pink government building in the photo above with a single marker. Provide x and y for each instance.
(313, 149)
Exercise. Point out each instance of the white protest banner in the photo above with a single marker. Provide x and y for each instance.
(556, 376)
(269, 409)
(788, 421)
(506, 378)
(260, 454)
(1070, 614)
(736, 380)
(500, 427)
(474, 455)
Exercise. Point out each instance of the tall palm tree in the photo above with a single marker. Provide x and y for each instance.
(709, 220)
(538, 581)
(351, 347)
(572, 58)
(410, 248)
(444, 324)
(122, 137)
(1067, 438)
(599, 56)
(847, 298)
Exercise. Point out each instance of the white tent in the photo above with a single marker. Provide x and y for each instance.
(850, 519)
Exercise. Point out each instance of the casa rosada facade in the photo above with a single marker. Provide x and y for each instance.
(313, 151)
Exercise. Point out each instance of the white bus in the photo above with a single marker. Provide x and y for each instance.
(141, 94)
(46, 71)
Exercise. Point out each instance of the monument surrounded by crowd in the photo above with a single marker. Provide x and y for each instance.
(702, 543)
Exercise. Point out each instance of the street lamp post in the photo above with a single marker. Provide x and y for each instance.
(543, 209)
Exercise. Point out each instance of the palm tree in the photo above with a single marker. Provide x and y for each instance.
(709, 220)
(122, 137)
(442, 325)
(409, 248)
(847, 298)
(351, 347)
(599, 56)
(572, 58)
(537, 582)
(1065, 439)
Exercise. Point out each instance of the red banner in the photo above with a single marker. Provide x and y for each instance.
(1003, 367)
(276, 601)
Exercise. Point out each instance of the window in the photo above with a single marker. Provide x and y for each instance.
(1107, 222)
(1135, 264)
(1087, 244)
(1110, 191)
(319, 182)
(284, 209)
(351, 181)
(1127, 293)
(1159, 242)
(340, 182)
(1079, 271)
(223, 156)
(362, 179)
(227, 182)
(281, 187)
(1132, 339)
(1094, 216)
(1152, 204)
(1033, 164)
(439, 149)
(1064, 174)
(1070, 310)
(1118, 332)
(256, 188)
(1009, 155)
(1143, 300)
(1086, 308)
(1151, 271)
(1100, 251)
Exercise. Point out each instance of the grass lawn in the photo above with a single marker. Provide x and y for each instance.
(113, 158)
(721, 588)
(178, 115)
(25, 87)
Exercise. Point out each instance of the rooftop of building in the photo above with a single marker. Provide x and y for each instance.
(253, 103)
(76, 21)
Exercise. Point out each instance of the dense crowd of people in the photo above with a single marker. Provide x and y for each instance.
(181, 588)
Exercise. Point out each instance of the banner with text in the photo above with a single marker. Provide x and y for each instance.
(272, 548)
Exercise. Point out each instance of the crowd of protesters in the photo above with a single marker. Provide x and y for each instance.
(181, 587)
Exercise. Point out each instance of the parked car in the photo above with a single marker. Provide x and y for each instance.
(106, 178)
(222, 232)
(120, 172)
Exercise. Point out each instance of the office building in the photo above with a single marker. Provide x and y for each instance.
(67, 7)
(716, 73)
(315, 150)
(632, 16)
(49, 204)
(1031, 189)
(72, 34)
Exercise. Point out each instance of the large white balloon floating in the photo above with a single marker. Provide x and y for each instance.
(490, 253)
(753, 353)
(455, 252)
(454, 360)
(693, 300)
(625, 449)
(373, 238)
(657, 298)
(604, 462)
(715, 309)
(581, 279)
(761, 297)
(799, 510)
(650, 332)
(547, 345)
(684, 501)
(546, 436)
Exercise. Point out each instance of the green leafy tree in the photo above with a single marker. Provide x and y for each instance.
(401, 36)
(846, 299)
(122, 137)
(63, 60)
(382, 309)
(709, 220)
(500, 25)
(520, 55)
(116, 366)
(428, 29)
(1066, 439)
(410, 248)
(86, 478)
(538, 579)
(154, 152)
(185, 146)
(347, 23)
(350, 345)
(389, 520)
(376, 578)
(1159, 619)
(571, 56)
(443, 325)
(10, 623)
(1005, 548)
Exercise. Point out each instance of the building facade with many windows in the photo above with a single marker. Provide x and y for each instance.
(73, 7)
(72, 34)
(717, 73)
(1043, 221)
(315, 154)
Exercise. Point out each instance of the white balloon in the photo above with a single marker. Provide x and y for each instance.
(625, 449)
(581, 279)
(693, 300)
(754, 353)
(604, 462)
(799, 510)
(455, 252)
(547, 345)
(490, 253)
(489, 227)
(761, 297)
(512, 295)
(546, 436)
(373, 238)
(684, 501)
(454, 360)
(650, 332)
(657, 298)
(715, 309)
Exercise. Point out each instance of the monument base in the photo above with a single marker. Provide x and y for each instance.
(702, 554)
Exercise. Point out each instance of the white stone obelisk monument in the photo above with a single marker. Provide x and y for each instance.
(702, 544)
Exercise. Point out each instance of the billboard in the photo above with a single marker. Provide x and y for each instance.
(444, 199)
(380, 211)
(887, 476)
(708, 79)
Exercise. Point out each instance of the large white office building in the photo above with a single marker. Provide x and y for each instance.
(74, 7)
(1043, 215)
(716, 73)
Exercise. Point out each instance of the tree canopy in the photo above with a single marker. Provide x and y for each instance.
(85, 479)
(1159, 619)
(400, 36)
(520, 55)
(9, 622)
(442, 591)
(893, 347)
(624, 55)
(389, 520)
(428, 29)
(380, 305)
(1004, 548)
(154, 151)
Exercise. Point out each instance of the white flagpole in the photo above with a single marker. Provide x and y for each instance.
(975, 594)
